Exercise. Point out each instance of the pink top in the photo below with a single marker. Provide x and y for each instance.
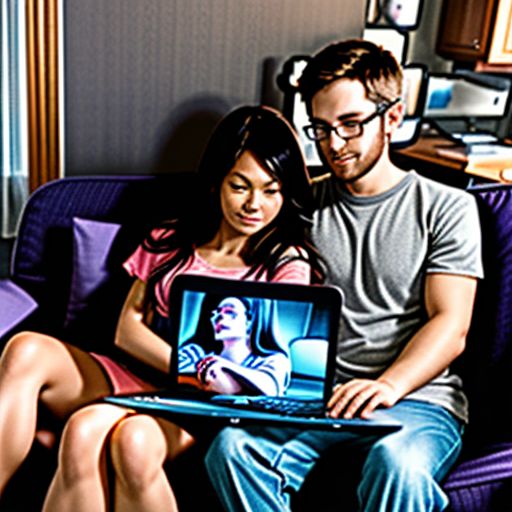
(140, 265)
(142, 262)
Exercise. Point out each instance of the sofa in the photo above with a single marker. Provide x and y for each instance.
(65, 279)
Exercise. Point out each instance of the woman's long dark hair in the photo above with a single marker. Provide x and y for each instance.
(271, 140)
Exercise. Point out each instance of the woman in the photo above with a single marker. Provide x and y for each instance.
(237, 353)
(256, 188)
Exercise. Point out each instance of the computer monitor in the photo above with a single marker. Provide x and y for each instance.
(466, 96)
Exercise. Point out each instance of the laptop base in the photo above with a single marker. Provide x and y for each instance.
(176, 408)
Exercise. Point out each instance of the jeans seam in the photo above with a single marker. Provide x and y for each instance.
(456, 446)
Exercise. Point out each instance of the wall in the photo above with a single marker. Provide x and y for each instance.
(422, 42)
(146, 80)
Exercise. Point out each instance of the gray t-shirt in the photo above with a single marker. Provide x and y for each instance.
(379, 249)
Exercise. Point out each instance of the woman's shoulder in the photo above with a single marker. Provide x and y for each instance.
(293, 267)
(161, 232)
(295, 252)
(151, 253)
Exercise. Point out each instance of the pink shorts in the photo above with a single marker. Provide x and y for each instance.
(121, 379)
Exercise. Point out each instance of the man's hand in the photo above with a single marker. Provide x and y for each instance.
(361, 396)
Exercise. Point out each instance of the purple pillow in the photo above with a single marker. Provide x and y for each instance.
(17, 304)
(92, 241)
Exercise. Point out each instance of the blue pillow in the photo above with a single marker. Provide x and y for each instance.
(92, 242)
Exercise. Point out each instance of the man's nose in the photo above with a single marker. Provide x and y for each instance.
(336, 142)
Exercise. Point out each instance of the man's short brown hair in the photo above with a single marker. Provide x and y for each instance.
(356, 59)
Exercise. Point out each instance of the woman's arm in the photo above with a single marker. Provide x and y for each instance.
(135, 337)
(269, 377)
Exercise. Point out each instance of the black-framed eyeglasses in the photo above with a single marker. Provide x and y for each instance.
(347, 130)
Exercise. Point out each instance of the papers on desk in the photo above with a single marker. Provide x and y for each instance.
(489, 150)
(475, 138)
(476, 152)
(491, 161)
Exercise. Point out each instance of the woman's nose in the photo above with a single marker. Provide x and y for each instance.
(253, 202)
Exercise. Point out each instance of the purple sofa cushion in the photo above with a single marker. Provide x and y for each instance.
(494, 463)
(488, 357)
(482, 482)
(16, 305)
(92, 242)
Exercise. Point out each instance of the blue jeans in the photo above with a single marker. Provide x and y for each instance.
(259, 468)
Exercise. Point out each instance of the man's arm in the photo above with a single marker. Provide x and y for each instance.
(449, 303)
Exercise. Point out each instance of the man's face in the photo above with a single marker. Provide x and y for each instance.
(345, 102)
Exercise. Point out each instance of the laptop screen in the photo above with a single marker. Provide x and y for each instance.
(240, 337)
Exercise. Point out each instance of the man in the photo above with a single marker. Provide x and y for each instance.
(406, 253)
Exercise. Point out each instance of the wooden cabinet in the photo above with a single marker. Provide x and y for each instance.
(465, 29)
(476, 30)
(500, 51)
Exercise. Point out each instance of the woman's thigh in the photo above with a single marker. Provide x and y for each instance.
(77, 379)
(64, 377)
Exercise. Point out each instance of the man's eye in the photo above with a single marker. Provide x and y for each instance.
(350, 124)
(320, 129)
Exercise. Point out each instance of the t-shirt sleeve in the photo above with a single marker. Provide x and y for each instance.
(456, 237)
(142, 262)
(294, 271)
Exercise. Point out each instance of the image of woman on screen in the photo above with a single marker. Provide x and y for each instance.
(247, 218)
(235, 352)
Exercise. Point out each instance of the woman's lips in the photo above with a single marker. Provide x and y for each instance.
(219, 327)
(249, 220)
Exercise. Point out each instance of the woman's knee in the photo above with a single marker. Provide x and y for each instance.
(138, 450)
(81, 446)
(26, 352)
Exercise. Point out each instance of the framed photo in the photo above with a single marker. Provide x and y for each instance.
(399, 14)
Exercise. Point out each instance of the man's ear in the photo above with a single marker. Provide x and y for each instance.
(394, 117)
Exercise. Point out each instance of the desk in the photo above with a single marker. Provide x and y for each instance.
(439, 158)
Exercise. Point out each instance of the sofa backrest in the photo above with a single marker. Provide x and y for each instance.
(487, 362)
(42, 256)
(42, 261)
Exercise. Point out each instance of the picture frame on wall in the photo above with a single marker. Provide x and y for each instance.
(402, 15)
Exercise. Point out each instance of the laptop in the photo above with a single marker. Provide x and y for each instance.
(251, 352)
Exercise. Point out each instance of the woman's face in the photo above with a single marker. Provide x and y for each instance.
(250, 197)
(229, 319)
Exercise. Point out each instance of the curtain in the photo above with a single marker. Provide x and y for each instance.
(31, 108)
(45, 90)
(14, 116)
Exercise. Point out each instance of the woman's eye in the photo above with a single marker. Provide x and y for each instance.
(237, 187)
(272, 191)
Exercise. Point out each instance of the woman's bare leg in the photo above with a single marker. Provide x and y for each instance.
(81, 481)
(140, 445)
(35, 368)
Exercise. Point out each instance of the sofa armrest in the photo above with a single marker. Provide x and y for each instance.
(15, 305)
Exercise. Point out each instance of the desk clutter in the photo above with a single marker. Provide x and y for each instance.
(491, 161)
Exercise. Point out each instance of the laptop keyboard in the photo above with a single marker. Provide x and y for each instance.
(274, 404)
(287, 406)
